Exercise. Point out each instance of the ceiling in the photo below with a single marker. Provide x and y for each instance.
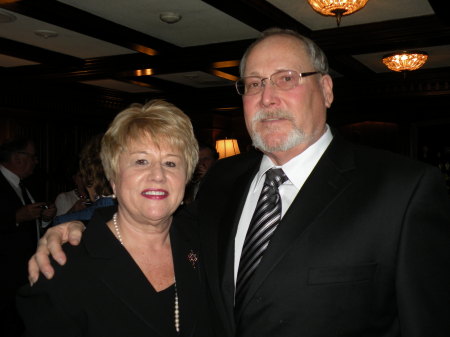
(123, 48)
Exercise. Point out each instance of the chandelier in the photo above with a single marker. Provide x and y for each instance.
(405, 61)
(337, 8)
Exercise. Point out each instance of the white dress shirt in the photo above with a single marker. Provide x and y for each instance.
(14, 180)
(297, 170)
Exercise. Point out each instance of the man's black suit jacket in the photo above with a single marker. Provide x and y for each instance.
(17, 244)
(364, 249)
(102, 292)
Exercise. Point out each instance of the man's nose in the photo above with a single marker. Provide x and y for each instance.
(269, 94)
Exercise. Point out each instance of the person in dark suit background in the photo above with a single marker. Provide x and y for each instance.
(362, 247)
(207, 156)
(19, 225)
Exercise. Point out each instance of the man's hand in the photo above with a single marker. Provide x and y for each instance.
(51, 243)
(29, 212)
(48, 213)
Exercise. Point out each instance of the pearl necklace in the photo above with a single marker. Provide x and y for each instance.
(176, 306)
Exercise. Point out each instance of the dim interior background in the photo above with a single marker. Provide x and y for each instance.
(67, 67)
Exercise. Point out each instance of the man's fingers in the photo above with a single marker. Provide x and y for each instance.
(40, 262)
(54, 247)
(33, 271)
(51, 243)
(76, 229)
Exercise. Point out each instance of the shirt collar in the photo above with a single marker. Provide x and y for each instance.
(10, 176)
(298, 168)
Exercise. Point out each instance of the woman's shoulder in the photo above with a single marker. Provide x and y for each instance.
(184, 225)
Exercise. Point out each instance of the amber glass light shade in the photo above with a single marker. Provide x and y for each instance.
(227, 147)
(405, 61)
(337, 8)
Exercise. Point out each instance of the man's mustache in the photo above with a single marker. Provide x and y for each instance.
(272, 114)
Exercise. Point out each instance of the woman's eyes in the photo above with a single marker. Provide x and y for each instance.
(145, 162)
(141, 162)
(170, 164)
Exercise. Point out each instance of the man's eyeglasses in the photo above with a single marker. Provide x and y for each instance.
(31, 155)
(283, 80)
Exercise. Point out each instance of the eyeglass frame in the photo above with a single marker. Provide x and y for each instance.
(31, 155)
(262, 79)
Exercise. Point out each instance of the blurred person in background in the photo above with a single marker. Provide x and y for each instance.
(207, 156)
(21, 222)
(93, 179)
(73, 200)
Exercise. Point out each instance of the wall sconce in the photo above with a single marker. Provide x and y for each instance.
(227, 147)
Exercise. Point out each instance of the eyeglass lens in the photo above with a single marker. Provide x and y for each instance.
(284, 80)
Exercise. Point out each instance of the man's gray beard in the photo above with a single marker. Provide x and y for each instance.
(295, 137)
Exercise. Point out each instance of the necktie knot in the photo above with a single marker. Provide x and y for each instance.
(275, 177)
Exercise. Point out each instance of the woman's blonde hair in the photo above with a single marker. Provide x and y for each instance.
(161, 122)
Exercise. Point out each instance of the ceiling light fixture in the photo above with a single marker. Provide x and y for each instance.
(46, 34)
(337, 8)
(170, 17)
(405, 61)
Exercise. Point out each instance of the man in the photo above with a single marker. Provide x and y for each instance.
(20, 223)
(207, 156)
(362, 248)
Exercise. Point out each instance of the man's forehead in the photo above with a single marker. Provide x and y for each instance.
(282, 52)
(285, 41)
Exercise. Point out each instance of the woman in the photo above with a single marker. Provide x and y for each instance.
(94, 178)
(73, 200)
(135, 273)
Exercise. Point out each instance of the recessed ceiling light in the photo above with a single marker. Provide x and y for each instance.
(46, 34)
(6, 17)
(170, 17)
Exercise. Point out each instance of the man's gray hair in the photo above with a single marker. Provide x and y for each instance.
(317, 56)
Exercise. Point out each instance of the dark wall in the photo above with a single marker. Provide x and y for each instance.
(399, 116)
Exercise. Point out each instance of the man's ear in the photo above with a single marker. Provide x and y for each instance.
(327, 89)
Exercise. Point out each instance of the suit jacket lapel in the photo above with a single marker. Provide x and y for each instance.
(11, 202)
(189, 280)
(218, 207)
(7, 189)
(321, 188)
(227, 233)
(9, 197)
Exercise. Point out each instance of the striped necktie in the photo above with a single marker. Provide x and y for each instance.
(264, 222)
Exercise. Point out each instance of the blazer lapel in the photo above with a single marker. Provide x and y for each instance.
(9, 196)
(227, 233)
(122, 276)
(321, 188)
(187, 270)
(218, 208)
(8, 191)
